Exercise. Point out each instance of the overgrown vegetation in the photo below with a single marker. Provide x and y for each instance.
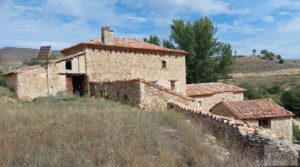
(95, 132)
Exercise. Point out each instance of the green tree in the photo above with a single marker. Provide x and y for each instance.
(153, 39)
(198, 38)
(226, 61)
(291, 99)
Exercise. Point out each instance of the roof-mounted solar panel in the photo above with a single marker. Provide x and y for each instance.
(44, 52)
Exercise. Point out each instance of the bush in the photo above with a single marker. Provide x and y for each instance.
(275, 89)
(291, 100)
(252, 92)
(296, 132)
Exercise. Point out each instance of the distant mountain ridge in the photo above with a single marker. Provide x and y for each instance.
(15, 55)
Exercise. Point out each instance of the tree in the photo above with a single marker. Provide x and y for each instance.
(198, 38)
(291, 100)
(226, 61)
(153, 39)
(253, 51)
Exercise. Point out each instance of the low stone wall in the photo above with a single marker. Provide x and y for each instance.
(140, 93)
(124, 91)
(156, 97)
(240, 138)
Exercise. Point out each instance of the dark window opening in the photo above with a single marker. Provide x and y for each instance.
(118, 94)
(264, 123)
(173, 85)
(163, 64)
(68, 65)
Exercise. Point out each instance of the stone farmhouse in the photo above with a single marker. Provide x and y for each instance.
(130, 71)
(263, 113)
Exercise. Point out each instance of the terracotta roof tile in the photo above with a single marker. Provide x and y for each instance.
(204, 89)
(256, 109)
(124, 45)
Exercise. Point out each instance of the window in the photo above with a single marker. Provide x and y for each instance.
(163, 64)
(199, 104)
(68, 65)
(173, 85)
(264, 123)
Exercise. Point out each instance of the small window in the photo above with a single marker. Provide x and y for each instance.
(163, 64)
(68, 65)
(199, 104)
(173, 85)
(118, 94)
(264, 123)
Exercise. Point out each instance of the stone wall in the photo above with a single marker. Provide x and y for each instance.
(140, 93)
(103, 65)
(283, 127)
(240, 139)
(127, 92)
(37, 82)
(155, 97)
(209, 101)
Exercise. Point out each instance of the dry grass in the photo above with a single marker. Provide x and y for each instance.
(255, 65)
(95, 132)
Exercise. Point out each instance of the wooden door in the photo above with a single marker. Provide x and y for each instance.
(69, 82)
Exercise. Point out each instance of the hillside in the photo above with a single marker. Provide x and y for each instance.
(260, 72)
(70, 131)
(256, 65)
(13, 55)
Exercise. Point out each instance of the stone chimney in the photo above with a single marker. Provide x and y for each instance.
(107, 35)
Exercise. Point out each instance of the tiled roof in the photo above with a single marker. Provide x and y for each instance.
(122, 44)
(255, 109)
(204, 89)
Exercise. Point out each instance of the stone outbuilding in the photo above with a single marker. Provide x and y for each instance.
(209, 94)
(263, 113)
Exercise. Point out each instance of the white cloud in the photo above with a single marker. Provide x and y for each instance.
(268, 19)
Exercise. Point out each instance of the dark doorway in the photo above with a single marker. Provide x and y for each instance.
(75, 84)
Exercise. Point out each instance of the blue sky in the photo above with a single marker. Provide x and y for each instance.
(246, 24)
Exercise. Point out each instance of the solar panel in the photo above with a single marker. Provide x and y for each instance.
(44, 52)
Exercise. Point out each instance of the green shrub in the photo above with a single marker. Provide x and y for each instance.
(296, 132)
(291, 99)
(275, 89)
(252, 92)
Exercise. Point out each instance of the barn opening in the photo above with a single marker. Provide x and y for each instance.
(75, 84)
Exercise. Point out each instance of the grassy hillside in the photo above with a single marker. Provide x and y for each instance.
(254, 65)
(69, 131)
